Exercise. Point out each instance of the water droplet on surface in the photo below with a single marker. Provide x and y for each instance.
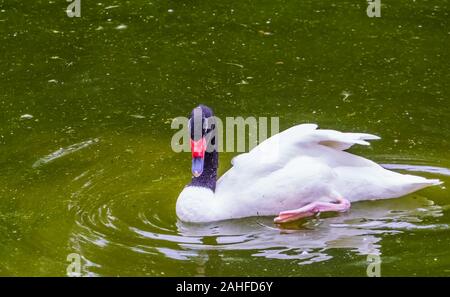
(26, 116)
(121, 27)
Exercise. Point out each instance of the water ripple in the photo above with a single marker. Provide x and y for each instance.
(64, 151)
(132, 221)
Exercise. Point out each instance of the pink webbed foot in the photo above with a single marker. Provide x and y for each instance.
(311, 209)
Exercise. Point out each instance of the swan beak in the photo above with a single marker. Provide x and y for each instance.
(198, 149)
(197, 166)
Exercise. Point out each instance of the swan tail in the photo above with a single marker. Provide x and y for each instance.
(414, 183)
(429, 182)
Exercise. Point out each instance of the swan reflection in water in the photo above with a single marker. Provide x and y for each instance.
(309, 241)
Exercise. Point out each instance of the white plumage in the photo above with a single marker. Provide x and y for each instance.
(292, 169)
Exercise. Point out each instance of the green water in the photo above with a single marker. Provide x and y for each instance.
(86, 103)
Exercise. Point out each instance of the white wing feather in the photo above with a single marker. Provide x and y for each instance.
(288, 142)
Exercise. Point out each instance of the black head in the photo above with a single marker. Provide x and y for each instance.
(200, 121)
(201, 128)
(203, 145)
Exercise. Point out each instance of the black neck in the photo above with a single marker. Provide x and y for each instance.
(208, 177)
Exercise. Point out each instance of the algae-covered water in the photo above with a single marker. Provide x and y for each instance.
(86, 165)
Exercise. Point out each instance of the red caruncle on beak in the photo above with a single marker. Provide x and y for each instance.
(198, 148)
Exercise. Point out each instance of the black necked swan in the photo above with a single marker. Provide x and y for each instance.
(310, 173)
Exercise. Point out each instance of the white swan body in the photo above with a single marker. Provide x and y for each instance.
(296, 167)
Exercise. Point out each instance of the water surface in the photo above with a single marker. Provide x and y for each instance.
(86, 104)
